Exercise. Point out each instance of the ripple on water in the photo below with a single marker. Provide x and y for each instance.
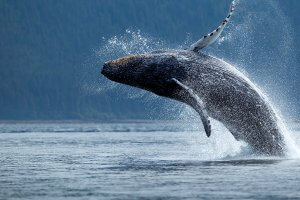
(141, 164)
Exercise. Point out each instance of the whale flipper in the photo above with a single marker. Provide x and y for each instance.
(213, 36)
(198, 105)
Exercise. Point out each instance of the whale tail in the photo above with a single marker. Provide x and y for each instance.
(213, 36)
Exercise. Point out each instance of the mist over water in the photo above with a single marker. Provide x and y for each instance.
(239, 46)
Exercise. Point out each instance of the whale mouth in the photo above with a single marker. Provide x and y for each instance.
(112, 71)
(105, 69)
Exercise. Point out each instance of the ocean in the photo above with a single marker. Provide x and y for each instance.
(138, 160)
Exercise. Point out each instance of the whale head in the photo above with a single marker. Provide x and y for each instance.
(151, 71)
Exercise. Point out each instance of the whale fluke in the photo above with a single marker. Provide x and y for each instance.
(213, 36)
(198, 105)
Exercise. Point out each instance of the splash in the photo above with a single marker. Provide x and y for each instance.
(260, 41)
(239, 45)
(246, 51)
(221, 144)
(252, 23)
(132, 42)
(293, 151)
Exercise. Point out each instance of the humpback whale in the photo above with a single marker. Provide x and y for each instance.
(212, 87)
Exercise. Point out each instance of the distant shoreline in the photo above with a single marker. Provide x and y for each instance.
(109, 121)
(92, 121)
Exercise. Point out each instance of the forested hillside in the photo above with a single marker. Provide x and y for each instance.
(44, 46)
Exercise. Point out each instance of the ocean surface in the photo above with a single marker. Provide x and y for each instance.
(138, 160)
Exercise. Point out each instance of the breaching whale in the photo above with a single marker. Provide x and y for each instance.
(214, 88)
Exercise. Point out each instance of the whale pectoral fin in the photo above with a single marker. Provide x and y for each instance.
(198, 105)
(213, 36)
